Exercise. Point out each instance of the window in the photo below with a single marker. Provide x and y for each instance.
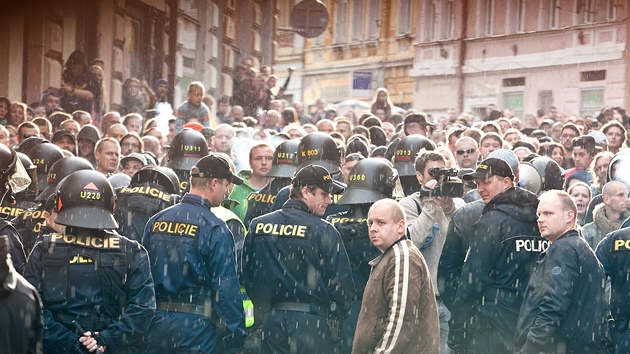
(357, 20)
(611, 9)
(545, 100)
(404, 17)
(374, 19)
(592, 100)
(341, 21)
(594, 75)
(514, 101)
(586, 11)
(549, 10)
(517, 16)
(514, 81)
(188, 62)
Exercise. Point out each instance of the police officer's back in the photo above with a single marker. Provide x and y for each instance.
(90, 274)
(194, 267)
(152, 189)
(297, 263)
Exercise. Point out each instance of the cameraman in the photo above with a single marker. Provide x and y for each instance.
(427, 218)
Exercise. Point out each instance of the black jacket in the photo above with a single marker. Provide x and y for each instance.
(455, 247)
(503, 249)
(21, 327)
(612, 252)
(564, 300)
(293, 256)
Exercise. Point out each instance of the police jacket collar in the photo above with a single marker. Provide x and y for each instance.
(570, 233)
(196, 200)
(295, 204)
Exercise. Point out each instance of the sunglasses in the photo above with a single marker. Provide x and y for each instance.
(465, 151)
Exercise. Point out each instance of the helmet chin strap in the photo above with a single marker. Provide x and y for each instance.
(7, 194)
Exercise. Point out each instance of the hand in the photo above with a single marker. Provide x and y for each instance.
(90, 343)
(446, 203)
(66, 87)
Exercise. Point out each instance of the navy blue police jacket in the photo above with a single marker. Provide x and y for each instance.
(614, 254)
(291, 255)
(193, 262)
(101, 280)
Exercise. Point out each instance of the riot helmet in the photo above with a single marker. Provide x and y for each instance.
(162, 176)
(15, 179)
(187, 147)
(406, 152)
(44, 156)
(284, 158)
(319, 148)
(59, 170)
(31, 170)
(85, 199)
(370, 180)
(540, 174)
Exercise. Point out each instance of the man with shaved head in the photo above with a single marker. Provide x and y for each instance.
(609, 215)
(466, 152)
(398, 312)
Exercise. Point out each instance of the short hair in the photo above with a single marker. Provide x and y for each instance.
(42, 122)
(464, 139)
(491, 135)
(68, 121)
(30, 125)
(396, 210)
(196, 84)
(572, 127)
(260, 145)
(296, 190)
(455, 132)
(424, 157)
(127, 117)
(76, 115)
(133, 135)
(615, 123)
(100, 143)
(343, 120)
(57, 118)
(474, 133)
(361, 130)
(321, 121)
(567, 203)
(610, 188)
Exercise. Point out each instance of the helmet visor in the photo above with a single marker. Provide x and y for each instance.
(19, 180)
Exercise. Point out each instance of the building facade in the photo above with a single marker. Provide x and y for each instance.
(180, 40)
(523, 55)
(368, 44)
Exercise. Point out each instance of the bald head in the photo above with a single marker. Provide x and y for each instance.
(396, 211)
(612, 187)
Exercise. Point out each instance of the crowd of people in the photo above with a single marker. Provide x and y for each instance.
(269, 227)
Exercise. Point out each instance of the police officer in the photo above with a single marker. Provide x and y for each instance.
(13, 179)
(613, 254)
(504, 246)
(152, 189)
(193, 264)
(316, 149)
(44, 156)
(187, 147)
(296, 263)
(22, 327)
(282, 169)
(370, 180)
(17, 203)
(29, 223)
(90, 274)
(404, 158)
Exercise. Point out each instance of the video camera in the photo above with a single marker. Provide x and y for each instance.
(446, 186)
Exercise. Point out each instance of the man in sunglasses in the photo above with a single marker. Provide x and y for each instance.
(466, 153)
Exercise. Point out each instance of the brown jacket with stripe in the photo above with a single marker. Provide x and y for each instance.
(398, 313)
